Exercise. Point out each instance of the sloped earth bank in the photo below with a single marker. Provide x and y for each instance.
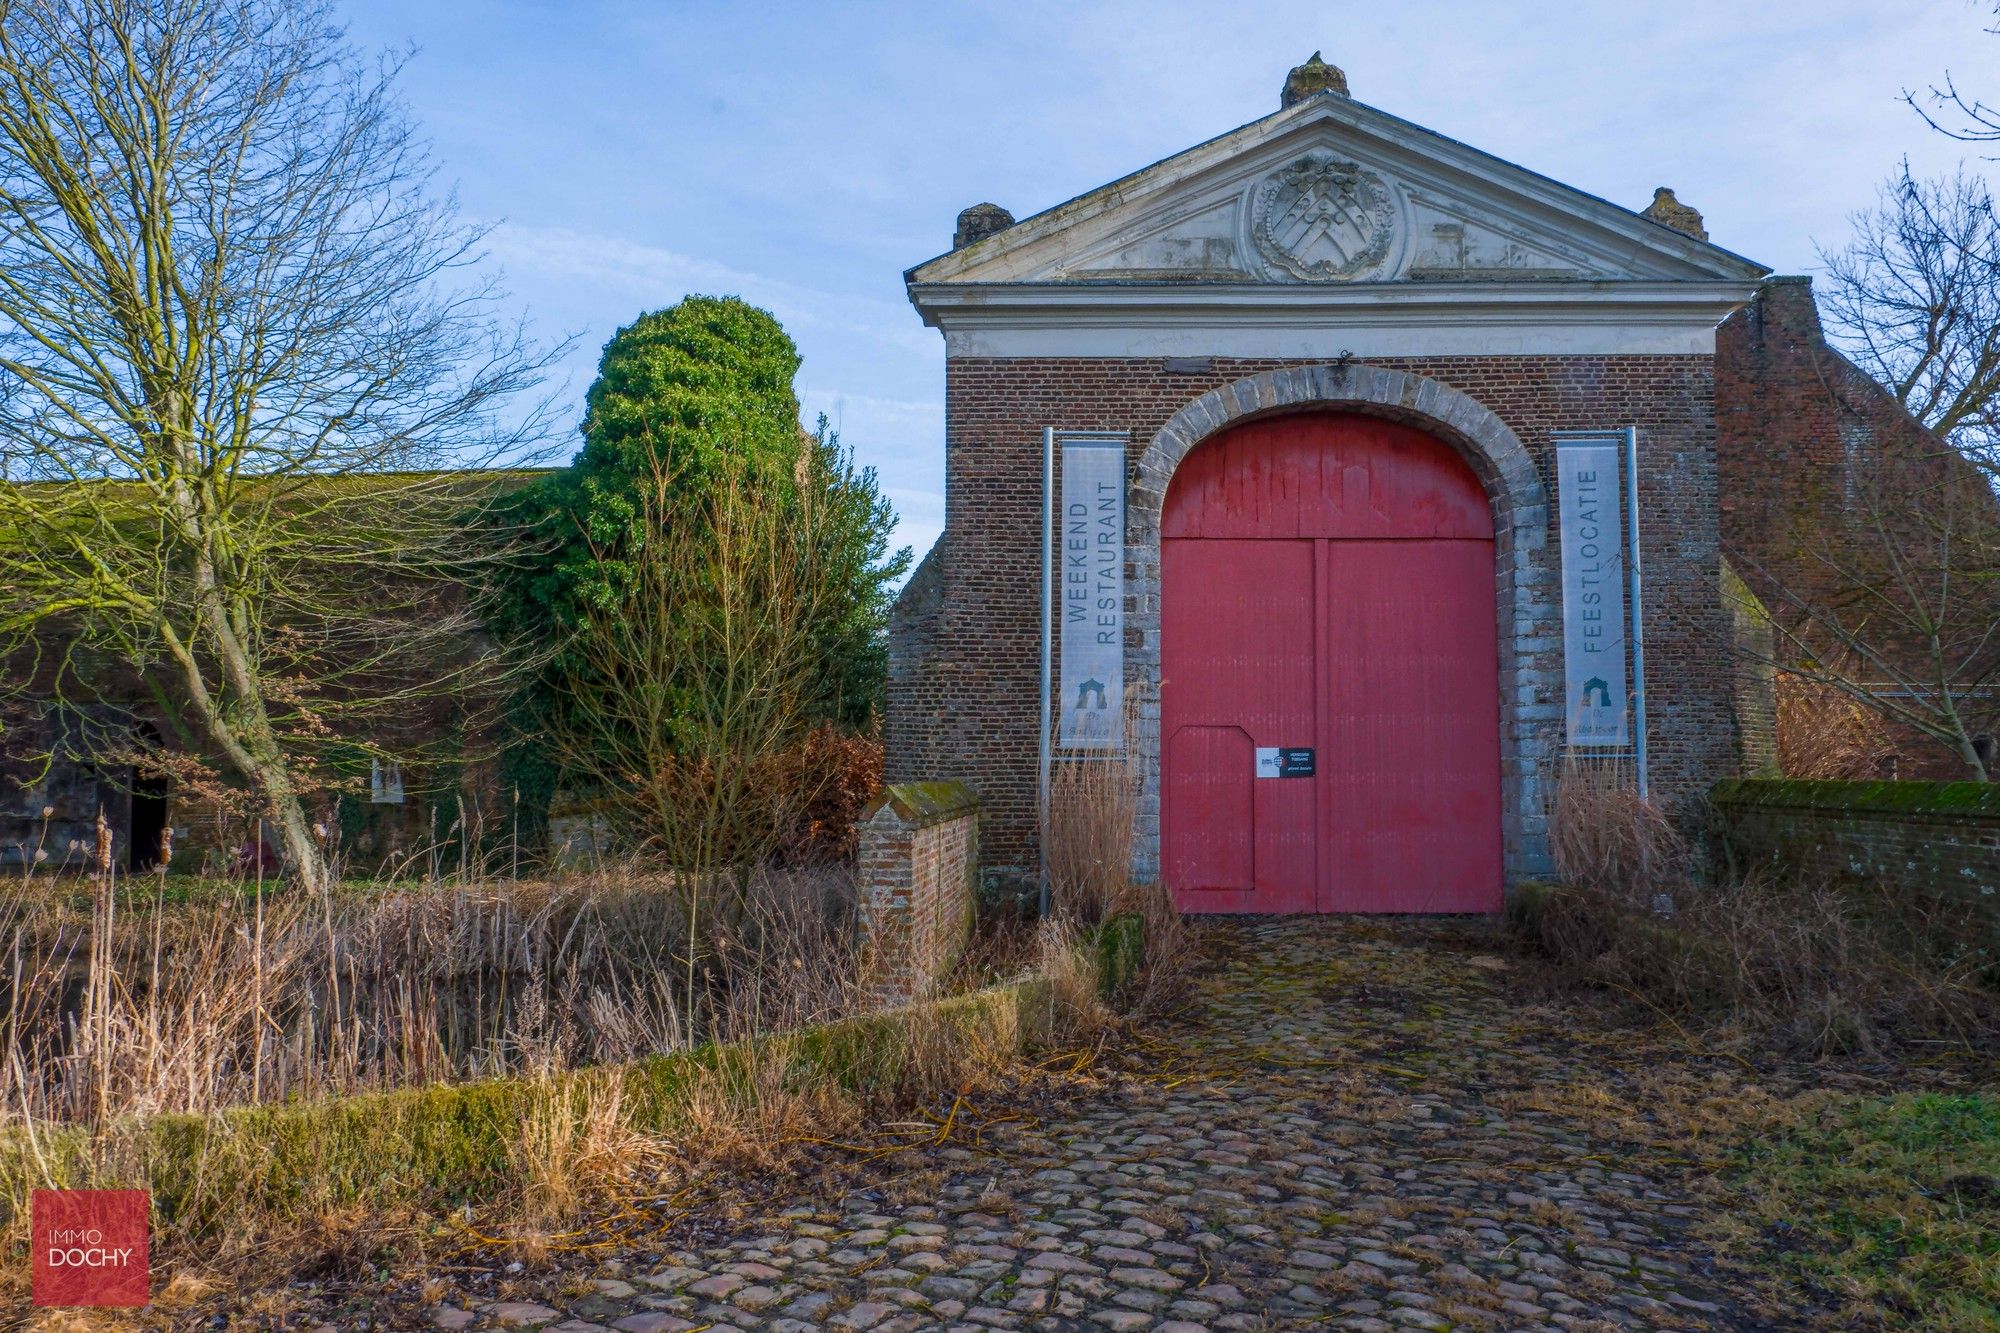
(1354, 1124)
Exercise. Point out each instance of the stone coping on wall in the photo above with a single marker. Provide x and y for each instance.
(1909, 800)
(922, 804)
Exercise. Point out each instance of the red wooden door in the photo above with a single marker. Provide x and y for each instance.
(1411, 727)
(1327, 586)
(1241, 634)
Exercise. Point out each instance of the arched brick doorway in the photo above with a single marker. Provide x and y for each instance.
(1330, 711)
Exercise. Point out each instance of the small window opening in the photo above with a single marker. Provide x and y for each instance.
(385, 784)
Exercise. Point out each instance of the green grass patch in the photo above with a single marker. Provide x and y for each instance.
(1891, 1205)
(1119, 946)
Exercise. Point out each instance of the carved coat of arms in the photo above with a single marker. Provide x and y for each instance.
(1322, 219)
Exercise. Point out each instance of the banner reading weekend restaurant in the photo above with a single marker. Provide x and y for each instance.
(1089, 699)
(1588, 505)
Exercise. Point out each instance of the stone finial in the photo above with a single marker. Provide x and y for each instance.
(979, 222)
(1315, 76)
(1671, 212)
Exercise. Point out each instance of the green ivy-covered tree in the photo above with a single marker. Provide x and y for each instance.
(708, 384)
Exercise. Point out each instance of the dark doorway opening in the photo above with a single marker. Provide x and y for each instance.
(148, 811)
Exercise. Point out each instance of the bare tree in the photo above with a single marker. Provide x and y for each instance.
(1898, 609)
(1955, 113)
(236, 329)
(1914, 300)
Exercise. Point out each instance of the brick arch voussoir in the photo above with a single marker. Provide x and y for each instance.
(1495, 453)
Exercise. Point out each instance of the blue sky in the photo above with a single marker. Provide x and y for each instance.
(803, 155)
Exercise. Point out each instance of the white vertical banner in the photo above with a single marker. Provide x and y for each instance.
(1091, 563)
(1588, 503)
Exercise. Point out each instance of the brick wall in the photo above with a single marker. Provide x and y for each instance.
(1796, 419)
(1922, 843)
(975, 709)
(916, 705)
(919, 866)
(1756, 679)
(1802, 429)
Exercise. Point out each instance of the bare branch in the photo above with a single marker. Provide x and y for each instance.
(1914, 301)
(239, 335)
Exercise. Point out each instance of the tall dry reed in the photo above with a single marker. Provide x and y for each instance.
(1093, 802)
(128, 1003)
(1604, 835)
(1089, 836)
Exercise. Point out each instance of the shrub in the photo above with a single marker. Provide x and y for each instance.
(839, 771)
(1807, 966)
(698, 522)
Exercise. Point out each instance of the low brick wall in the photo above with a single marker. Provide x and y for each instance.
(1938, 841)
(919, 863)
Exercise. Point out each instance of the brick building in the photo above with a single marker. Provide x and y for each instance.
(1341, 348)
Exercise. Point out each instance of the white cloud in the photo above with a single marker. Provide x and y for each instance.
(649, 276)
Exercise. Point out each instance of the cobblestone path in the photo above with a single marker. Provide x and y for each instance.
(1356, 1126)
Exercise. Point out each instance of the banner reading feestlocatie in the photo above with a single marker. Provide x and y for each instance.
(1589, 506)
(1091, 574)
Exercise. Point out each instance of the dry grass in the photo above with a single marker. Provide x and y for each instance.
(770, 1102)
(1824, 732)
(1604, 837)
(1810, 967)
(133, 1005)
(576, 1142)
(1093, 803)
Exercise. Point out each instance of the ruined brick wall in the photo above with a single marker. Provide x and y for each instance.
(1799, 427)
(918, 869)
(1795, 421)
(1929, 847)
(982, 663)
(73, 760)
(1753, 638)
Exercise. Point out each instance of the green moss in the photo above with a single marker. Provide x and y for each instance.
(1978, 799)
(437, 1147)
(924, 803)
(1527, 903)
(1738, 595)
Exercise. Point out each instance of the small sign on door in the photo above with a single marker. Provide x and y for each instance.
(1284, 761)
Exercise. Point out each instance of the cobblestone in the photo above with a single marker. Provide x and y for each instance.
(1336, 1135)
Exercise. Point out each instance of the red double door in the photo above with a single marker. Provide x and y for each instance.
(1329, 674)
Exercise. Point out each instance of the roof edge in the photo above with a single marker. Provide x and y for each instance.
(1168, 171)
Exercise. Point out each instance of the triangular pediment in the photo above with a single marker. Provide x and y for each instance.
(1331, 191)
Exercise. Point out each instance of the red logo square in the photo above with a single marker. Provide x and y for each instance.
(90, 1247)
